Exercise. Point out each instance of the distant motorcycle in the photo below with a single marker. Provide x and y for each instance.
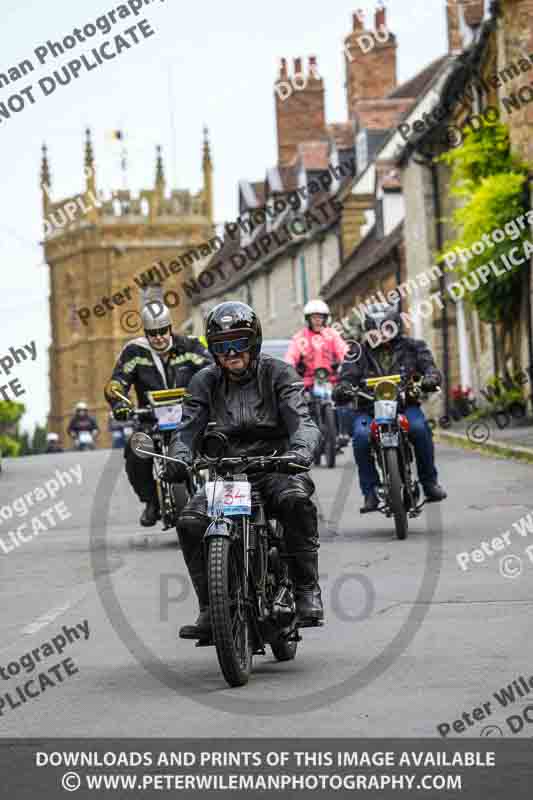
(251, 596)
(155, 423)
(84, 440)
(322, 410)
(399, 489)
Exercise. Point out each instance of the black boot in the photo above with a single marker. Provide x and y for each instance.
(151, 513)
(371, 503)
(197, 570)
(434, 493)
(304, 572)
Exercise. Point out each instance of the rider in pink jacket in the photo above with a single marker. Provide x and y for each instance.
(316, 345)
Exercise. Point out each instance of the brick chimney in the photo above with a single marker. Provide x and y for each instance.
(459, 15)
(370, 56)
(300, 107)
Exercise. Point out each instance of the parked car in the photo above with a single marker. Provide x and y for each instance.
(275, 347)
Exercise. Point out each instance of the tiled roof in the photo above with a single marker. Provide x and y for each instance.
(366, 255)
(415, 86)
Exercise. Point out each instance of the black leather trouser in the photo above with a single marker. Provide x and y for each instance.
(140, 474)
(287, 497)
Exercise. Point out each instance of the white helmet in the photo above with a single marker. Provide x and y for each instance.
(316, 307)
(82, 406)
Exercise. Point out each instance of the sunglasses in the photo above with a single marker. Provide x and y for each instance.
(237, 345)
(158, 332)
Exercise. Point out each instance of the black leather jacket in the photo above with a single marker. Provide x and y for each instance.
(411, 355)
(137, 365)
(264, 414)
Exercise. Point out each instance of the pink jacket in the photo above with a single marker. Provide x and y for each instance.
(318, 350)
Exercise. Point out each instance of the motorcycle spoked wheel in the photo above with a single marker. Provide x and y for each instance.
(229, 615)
(330, 434)
(399, 512)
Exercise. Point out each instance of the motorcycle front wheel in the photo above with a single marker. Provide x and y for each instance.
(396, 493)
(229, 615)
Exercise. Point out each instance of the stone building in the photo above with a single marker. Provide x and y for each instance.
(280, 281)
(484, 41)
(98, 249)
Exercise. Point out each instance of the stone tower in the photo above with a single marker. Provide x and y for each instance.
(98, 248)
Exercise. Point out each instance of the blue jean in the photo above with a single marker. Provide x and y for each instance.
(344, 419)
(420, 435)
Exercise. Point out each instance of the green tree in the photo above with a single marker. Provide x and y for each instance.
(10, 414)
(491, 181)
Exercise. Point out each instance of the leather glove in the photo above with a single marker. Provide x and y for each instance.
(342, 392)
(300, 368)
(176, 471)
(429, 384)
(296, 458)
(121, 411)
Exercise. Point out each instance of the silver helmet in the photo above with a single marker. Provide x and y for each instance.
(155, 315)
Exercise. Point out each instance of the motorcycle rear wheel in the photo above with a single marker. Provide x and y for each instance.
(283, 650)
(229, 615)
(396, 493)
(330, 433)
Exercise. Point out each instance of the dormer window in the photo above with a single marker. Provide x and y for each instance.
(361, 145)
(335, 185)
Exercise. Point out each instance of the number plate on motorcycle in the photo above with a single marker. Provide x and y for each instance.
(389, 439)
(85, 437)
(230, 498)
(168, 417)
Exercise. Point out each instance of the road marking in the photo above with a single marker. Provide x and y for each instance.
(45, 619)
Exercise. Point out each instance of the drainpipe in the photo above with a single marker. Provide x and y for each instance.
(442, 287)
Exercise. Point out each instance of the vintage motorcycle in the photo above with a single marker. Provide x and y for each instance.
(251, 596)
(157, 421)
(399, 490)
(322, 410)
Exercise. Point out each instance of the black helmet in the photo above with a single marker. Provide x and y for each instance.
(378, 314)
(228, 320)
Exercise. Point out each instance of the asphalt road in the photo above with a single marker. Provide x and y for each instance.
(412, 641)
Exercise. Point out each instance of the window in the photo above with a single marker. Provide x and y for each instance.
(361, 144)
(303, 277)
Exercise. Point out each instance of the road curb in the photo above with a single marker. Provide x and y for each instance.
(489, 448)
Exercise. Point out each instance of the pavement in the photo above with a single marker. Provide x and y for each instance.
(412, 640)
(513, 439)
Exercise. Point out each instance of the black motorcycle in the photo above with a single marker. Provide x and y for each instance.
(399, 490)
(157, 422)
(322, 410)
(251, 596)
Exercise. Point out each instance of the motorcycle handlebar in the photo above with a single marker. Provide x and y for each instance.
(253, 464)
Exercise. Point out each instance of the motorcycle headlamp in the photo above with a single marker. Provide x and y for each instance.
(386, 390)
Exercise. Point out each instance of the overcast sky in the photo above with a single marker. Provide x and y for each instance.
(213, 63)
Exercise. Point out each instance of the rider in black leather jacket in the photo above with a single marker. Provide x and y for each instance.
(257, 402)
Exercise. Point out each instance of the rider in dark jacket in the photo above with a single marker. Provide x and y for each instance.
(392, 352)
(158, 360)
(257, 402)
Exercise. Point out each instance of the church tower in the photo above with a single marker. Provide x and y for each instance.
(100, 253)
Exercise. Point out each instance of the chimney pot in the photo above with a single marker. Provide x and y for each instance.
(380, 18)
(297, 65)
(359, 20)
(283, 69)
